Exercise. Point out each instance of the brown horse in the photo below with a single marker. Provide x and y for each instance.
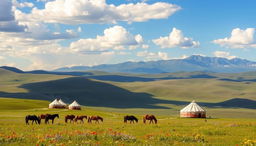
(95, 118)
(70, 117)
(130, 118)
(50, 117)
(151, 118)
(80, 118)
(43, 116)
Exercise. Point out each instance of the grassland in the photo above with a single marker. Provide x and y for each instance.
(170, 130)
(221, 98)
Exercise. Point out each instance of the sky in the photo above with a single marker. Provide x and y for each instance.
(49, 34)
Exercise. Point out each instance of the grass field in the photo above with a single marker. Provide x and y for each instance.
(221, 98)
(231, 104)
(170, 130)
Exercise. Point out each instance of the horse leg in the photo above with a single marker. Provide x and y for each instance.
(52, 121)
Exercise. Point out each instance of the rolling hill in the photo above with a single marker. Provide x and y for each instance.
(162, 95)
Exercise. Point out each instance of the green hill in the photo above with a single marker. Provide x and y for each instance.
(161, 97)
(21, 104)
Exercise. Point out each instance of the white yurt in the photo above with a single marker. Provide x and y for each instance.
(55, 104)
(74, 106)
(193, 110)
(63, 103)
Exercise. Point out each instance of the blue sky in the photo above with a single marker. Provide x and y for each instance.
(48, 34)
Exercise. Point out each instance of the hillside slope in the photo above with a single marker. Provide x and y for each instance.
(162, 94)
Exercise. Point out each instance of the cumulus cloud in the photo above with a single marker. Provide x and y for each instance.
(116, 38)
(239, 39)
(22, 4)
(176, 39)
(97, 11)
(7, 19)
(40, 31)
(11, 26)
(2, 58)
(223, 54)
(153, 56)
(6, 13)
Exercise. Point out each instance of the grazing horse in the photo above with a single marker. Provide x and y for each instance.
(43, 116)
(80, 118)
(151, 118)
(130, 118)
(50, 117)
(33, 118)
(69, 117)
(95, 118)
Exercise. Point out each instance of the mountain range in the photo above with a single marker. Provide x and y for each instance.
(189, 64)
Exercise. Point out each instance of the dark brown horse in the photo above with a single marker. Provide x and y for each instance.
(151, 118)
(51, 117)
(130, 118)
(70, 118)
(43, 116)
(32, 118)
(95, 118)
(80, 118)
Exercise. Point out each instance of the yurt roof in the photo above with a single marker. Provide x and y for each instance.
(61, 102)
(74, 104)
(55, 102)
(192, 107)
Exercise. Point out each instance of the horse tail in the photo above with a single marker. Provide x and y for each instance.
(89, 120)
(101, 119)
(66, 119)
(144, 120)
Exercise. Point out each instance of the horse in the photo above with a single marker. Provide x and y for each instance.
(50, 117)
(33, 118)
(80, 118)
(151, 118)
(69, 117)
(95, 118)
(130, 118)
(43, 116)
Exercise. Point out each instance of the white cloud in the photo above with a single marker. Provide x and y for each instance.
(6, 13)
(39, 31)
(153, 56)
(79, 29)
(11, 26)
(239, 39)
(223, 54)
(22, 4)
(97, 11)
(7, 19)
(2, 58)
(116, 38)
(176, 39)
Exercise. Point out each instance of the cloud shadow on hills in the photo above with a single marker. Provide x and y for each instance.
(99, 94)
(87, 92)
